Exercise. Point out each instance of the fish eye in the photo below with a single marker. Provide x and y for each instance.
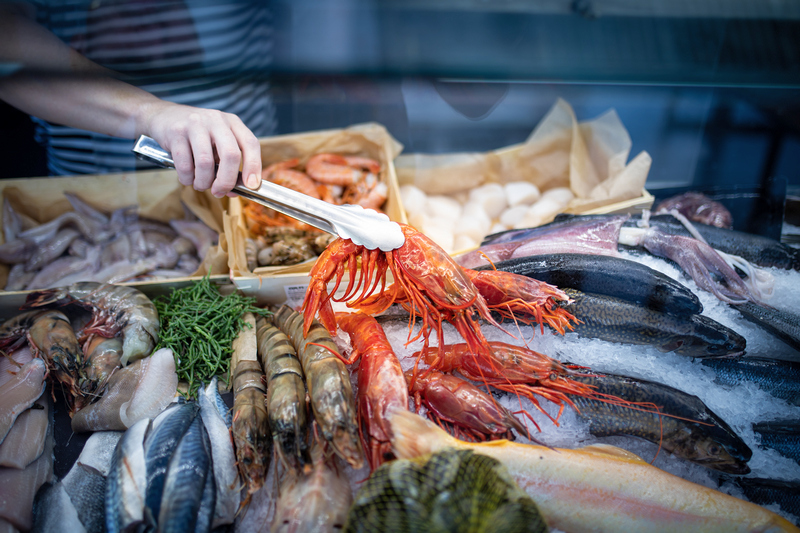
(713, 449)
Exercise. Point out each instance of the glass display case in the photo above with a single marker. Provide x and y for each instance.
(709, 90)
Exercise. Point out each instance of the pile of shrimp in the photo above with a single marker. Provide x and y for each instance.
(334, 178)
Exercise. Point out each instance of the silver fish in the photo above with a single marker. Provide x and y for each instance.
(86, 488)
(168, 429)
(126, 481)
(85, 209)
(189, 466)
(225, 473)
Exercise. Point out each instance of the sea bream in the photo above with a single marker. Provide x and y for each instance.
(599, 488)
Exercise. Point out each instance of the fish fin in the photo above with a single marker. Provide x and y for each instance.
(413, 435)
(614, 451)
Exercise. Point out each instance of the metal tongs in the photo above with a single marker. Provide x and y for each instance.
(364, 227)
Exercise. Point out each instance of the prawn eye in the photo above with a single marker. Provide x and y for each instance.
(553, 376)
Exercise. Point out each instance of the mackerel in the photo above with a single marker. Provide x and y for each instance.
(782, 436)
(168, 429)
(125, 484)
(185, 481)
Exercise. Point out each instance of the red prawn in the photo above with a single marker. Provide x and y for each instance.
(382, 387)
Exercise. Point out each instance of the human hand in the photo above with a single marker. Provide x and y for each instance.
(199, 139)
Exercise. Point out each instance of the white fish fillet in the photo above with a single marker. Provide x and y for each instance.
(599, 488)
(18, 487)
(140, 390)
(157, 386)
(19, 393)
(224, 461)
(25, 441)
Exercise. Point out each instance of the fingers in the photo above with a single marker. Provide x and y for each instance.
(208, 147)
(184, 161)
(251, 155)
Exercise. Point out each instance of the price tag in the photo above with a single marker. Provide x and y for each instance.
(295, 294)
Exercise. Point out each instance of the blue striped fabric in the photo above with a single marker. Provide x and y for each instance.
(211, 54)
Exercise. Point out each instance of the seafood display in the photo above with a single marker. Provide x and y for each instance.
(250, 422)
(89, 245)
(314, 501)
(276, 239)
(466, 491)
(286, 395)
(681, 425)
(328, 383)
(572, 487)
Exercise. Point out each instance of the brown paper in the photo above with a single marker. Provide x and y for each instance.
(369, 140)
(158, 194)
(587, 157)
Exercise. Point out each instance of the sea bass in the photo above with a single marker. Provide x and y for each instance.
(599, 488)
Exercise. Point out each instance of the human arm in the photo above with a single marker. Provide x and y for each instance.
(58, 84)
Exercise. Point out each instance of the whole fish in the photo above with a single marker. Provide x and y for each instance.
(127, 480)
(615, 320)
(782, 436)
(185, 481)
(225, 475)
(598, 488)
(771, 491)
(779, 378)
(785, 325)
(168, 429)
(611, 276)
(682, 424)
(450, 490)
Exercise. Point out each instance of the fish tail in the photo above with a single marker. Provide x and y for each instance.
(413, 436)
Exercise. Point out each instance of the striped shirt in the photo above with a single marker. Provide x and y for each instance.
(205, 53)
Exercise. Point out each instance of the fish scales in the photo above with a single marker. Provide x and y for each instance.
(599, 488)
(782, 436)
(168, 429)
(185, 482)
(611, 276)
(762, 491)
(783, 324)
(615, 320)
(779, 378)
(692, 432)
(127, 479)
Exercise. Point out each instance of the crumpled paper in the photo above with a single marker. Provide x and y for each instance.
(591, 158)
